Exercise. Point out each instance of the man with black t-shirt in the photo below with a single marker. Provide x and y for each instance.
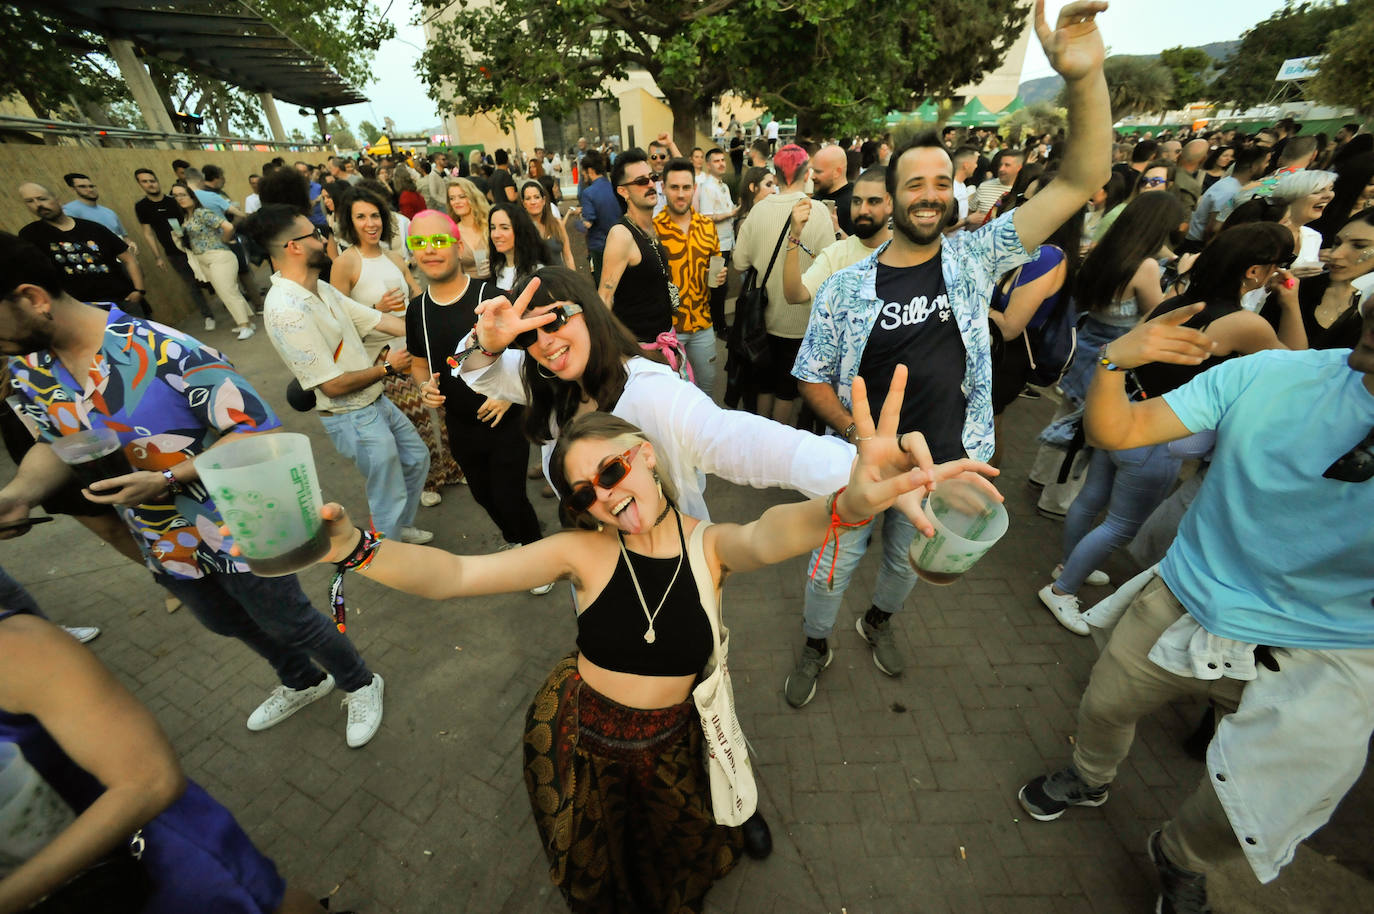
(921, 301)
(501, 186)
(634, 272)
(160, 217)
(96, 265)
(485, 435)
(829, 171)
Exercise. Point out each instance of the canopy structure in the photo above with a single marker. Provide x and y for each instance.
(225, 39)
(974, 114)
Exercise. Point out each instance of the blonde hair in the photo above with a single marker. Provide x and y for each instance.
(478, 203)
(615, 431)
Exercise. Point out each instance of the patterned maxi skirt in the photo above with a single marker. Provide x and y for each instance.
(405, 393)
(622, 801)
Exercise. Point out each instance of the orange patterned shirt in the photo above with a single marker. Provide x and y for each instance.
(689, 255)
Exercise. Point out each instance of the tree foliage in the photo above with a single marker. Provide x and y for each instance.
(1033, 120)
(838, 65)
(49, 63)
(1297, 30)
(1191, 69)
(341, 135)
(370, 131)
(1135, 85)
(1345, 78)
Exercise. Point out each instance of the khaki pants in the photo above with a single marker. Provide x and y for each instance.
(1125, 686)
(221, 267)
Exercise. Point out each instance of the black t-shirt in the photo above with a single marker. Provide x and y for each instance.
(165, 218)
(916, 328)
(439, 328)
(88, 258)
(497, 184)
(841, 198)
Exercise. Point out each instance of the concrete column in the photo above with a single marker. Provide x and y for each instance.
(269, 107)
(141, 85)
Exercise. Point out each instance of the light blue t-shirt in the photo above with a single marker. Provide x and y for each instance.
(1270, 552)
(94, 212)
(1217, 200)
(217, 202)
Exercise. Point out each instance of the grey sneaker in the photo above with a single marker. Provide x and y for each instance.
(1180, 891)
(800, 686)
(886, 657)
(1046, 797)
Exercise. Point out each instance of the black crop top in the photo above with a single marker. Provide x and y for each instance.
(1158, 378)
(610, 632)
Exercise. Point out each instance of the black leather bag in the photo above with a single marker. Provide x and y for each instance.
(116, 884)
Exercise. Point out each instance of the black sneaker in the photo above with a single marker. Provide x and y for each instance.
(1046, 797)
(1180, 891)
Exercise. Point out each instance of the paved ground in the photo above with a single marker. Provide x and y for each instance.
(884, 795)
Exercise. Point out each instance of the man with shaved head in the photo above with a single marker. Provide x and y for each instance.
(829, 169)
(95, 263)
(1188, 178)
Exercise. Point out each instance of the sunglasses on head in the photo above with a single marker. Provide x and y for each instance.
(583, 495)
(641, 181)
(1357, 465)
(438, 242)
(561, 311)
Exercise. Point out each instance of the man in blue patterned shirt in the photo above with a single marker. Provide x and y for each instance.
(922, 301)
(169, 398)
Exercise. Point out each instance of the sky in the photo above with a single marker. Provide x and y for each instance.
(1128, 27)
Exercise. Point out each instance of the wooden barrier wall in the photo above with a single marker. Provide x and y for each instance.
(112, 170)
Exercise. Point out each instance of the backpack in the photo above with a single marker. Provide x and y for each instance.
(1051, 346)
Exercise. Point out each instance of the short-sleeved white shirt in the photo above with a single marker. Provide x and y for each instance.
(320, 337)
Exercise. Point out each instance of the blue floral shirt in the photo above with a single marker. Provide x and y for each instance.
(169, 397)
(846, 307)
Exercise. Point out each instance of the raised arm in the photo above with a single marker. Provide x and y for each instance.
(1110, 419)
(1075, 50)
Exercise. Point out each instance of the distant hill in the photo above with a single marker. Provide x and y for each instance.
(1046, 89)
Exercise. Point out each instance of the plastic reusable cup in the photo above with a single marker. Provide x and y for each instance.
(93, 455)
(267, 491)
(967, 521)
(713, 269)
(31, 812)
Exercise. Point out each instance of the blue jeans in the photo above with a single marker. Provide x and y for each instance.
(1130, 484)
(895, 576)
(700, 346)
(274, 617)
(391, 454)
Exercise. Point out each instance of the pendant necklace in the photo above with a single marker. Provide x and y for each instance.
(649, 635)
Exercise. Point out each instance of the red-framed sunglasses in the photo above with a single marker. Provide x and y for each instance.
(583, 495)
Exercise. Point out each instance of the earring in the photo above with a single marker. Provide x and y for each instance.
(547, 376)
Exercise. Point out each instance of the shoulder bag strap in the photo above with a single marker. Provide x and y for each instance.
(706, 586)
(787, 224)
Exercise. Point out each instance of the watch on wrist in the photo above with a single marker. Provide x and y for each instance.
(848, 433)
(387, 370)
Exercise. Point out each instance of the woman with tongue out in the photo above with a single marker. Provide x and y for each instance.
(613, 756)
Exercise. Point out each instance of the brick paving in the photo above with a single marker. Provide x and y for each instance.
(884, 795)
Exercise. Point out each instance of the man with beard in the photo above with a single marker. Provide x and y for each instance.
(870, 210)
(318, 331)
(922, 301)
(634, 273)
(1282, 637)
(689, 241)
(170, 398)
(829, 167)
(485, 435)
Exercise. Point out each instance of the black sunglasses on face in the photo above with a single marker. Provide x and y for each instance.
(583, 495)
(561, 311)
(1357, 465)
(641, 181)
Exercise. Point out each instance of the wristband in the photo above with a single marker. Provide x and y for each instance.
(836, 523)
(797, 243)
(174, 485)
(369, 541)
(1106, 362)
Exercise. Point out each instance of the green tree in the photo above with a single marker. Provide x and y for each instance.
(1297, 30)
(1191, 69)
(370, 131)
(296, 136)
(50, 64)
(342, 134)
(836, 65)
(1033, 120)
(1136, 85)
(1344, 78)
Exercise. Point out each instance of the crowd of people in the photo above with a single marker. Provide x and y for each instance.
(1195, 302)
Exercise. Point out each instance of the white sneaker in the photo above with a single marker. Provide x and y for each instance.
(246, 331)
(364, 712)
(1097, 578)
(83, 633)
(284, 702)
(430, 499)
(1065, 609)
(415, 536)
(209, 323)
